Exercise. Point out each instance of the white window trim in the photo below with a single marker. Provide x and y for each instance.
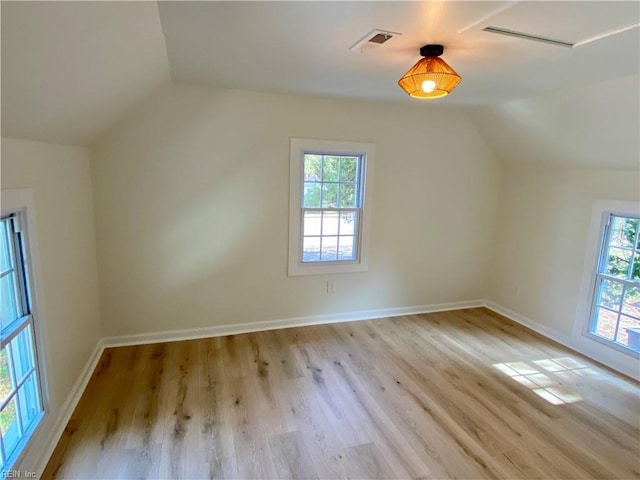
(298, 147)
(604, 351)
(22, 201)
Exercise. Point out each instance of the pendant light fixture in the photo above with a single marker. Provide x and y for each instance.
(431, 77)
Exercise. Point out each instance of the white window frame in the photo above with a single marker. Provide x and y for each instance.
(300, 146)
(604, 236)
(21, 202)
(592, 345)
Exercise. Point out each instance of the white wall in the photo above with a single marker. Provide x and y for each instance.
(561, 151)
(191, 201)
(541, 239)
(61, 182)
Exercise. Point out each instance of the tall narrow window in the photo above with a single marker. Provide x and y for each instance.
(330, 206)
(615, 314)
(20, 397)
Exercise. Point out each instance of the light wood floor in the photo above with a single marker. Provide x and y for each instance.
(464, 394)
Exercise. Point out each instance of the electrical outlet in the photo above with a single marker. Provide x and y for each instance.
(331, 286)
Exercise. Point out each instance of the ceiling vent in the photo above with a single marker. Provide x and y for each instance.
(373, 40)
(527, 36)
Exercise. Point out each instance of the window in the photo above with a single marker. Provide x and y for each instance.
(615, 313)
(330, 206)
(21, 406)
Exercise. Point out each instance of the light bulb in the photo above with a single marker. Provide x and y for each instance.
(428, 86)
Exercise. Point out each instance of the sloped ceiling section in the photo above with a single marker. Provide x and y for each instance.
(70, 69)
(597, 125)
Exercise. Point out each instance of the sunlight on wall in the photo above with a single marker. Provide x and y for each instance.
(212, 227)
(544, 377)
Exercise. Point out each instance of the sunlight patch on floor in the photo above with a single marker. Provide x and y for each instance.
(535, 376)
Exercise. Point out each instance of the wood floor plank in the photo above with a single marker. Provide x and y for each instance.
(291, 457)
(181, 418)
(321, 439)
(369, 462)
(216, 433)
(461, 394)
(520, 465)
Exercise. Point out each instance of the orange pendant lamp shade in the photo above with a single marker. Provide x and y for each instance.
(431, 77)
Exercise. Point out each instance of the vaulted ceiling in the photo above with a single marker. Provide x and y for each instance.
(72, 69)
(595, 126)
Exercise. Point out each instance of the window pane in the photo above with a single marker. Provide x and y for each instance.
(618, 262)
(311, 249)
(629, 332)
(5, 256)
(629, 338)
(348, 223)
(311, 195)
(347, 195)
(8, 310)
(22, 351)
(346, 250)
(330, 223)
(312, 167)
(605, 323)
(348, 169)
(6, 385)
(329, 249)
(330, 166)
(29, 401)
(631, 303)
(9, 425)
(329, 195)
(610, 294)
(312, 221)
(635, 274)
(623, 231)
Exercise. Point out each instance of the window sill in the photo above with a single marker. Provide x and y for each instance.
(611, 344)
(299, 269)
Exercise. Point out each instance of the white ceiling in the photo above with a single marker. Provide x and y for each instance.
(71, 69)
(302, 47)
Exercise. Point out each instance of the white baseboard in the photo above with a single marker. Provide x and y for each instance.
(234, 329)
(608, 357)
(66, 410)
(531, 324)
